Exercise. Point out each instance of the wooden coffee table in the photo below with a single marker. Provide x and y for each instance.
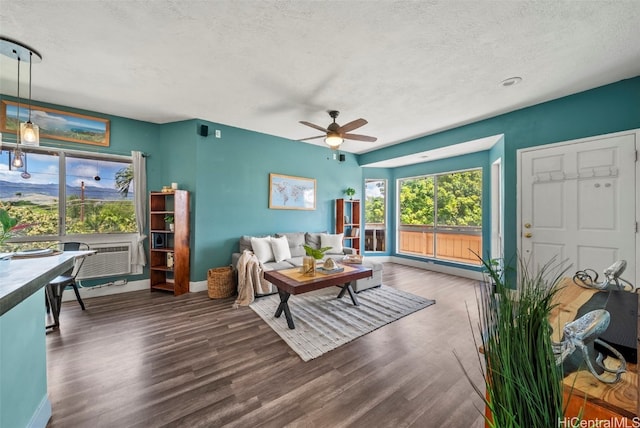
(291, 281)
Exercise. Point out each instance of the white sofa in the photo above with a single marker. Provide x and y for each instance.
(296, 242)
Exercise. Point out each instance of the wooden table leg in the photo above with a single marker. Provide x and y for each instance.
(347, 287)
(284, 306)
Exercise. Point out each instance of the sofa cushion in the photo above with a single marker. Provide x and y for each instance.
(295, 261)
(262, 249)
(277, 266)
(245, 243)
(296, 243)
(280, 248)
(333, 241)
(313, 239)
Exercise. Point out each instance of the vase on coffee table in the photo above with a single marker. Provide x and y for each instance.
(309, 266)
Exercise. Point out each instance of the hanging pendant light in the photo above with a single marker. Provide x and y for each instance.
(17, 152)
(16, 50)
(29, 131)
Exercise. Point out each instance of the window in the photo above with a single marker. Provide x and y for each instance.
(375, 214)
(441, 216)
(95, 202)
(96, 190)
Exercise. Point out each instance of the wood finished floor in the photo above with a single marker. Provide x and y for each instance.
(149, 359)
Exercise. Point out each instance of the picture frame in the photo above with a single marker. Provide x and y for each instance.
(57, 124)
(287, 192)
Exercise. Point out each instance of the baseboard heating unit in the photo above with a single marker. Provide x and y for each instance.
(110, 259)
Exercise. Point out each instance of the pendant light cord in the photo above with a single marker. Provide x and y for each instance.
(18, 113)
(30, 63)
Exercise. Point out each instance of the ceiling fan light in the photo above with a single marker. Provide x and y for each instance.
(30, 134)
(333, 140)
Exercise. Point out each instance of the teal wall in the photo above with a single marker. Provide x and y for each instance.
(228, 179)
(232, 189)
(607, 109)
(229, 176)
(126, 134)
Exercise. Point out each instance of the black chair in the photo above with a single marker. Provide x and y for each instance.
(56, 287)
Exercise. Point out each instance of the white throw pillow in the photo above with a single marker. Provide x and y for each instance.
(333, 241)
(280, 248)
(262, 249)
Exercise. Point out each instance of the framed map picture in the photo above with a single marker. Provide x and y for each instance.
(56, 124)
(291, 193)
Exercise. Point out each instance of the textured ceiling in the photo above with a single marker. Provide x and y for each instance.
(409, 68)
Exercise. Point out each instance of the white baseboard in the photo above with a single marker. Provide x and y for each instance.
(105, 290)
(198, 286)
(41, 416)
(465, 273)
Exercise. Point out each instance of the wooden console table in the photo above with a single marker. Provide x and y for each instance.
(603, 401)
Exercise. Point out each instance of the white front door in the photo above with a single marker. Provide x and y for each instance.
(577, 203)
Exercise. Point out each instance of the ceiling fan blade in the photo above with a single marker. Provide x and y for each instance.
(359, 137)
(319, 128)
(311, 138)
(353, 125)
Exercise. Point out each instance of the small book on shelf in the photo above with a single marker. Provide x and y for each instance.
(355, 232)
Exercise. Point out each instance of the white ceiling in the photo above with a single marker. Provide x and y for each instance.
(410, 68)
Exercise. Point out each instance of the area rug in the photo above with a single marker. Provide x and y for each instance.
(324, 322)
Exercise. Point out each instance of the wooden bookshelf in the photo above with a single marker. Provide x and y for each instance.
(348, 222)
(166, 245)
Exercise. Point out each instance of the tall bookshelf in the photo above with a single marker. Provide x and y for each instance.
(348, 222)
(169, 249)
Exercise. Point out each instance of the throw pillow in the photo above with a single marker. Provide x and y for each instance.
(313, 239)
(333, 241)
(280, 248)
(296, 243)
(262, 249)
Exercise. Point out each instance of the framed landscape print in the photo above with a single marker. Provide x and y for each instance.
(291, 193)
(56, 124)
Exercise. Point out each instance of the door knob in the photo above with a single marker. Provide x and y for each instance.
(528, 235)
(527, 225)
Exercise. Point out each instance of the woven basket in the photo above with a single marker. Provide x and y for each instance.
(221, 282)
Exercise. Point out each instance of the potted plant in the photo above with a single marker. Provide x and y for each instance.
(9, 226)
(523, 383)
(310, 261)
(350, 191)
(169, 220)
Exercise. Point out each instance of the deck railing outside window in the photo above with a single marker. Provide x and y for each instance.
(451, 243)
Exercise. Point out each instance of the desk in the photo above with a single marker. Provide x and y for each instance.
(604, 401)
(23, 364)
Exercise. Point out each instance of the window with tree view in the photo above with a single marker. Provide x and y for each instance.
(441, 216)
(375, 215)
(97, 193)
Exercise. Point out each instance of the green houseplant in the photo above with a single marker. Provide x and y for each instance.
(523, 384)
(350, 191)
(10, 226)
(316, 253)
(169, 220)
(309, 262)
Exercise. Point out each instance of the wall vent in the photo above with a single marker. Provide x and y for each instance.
(111, 259)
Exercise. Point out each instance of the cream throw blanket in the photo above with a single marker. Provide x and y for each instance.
(250, 279)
